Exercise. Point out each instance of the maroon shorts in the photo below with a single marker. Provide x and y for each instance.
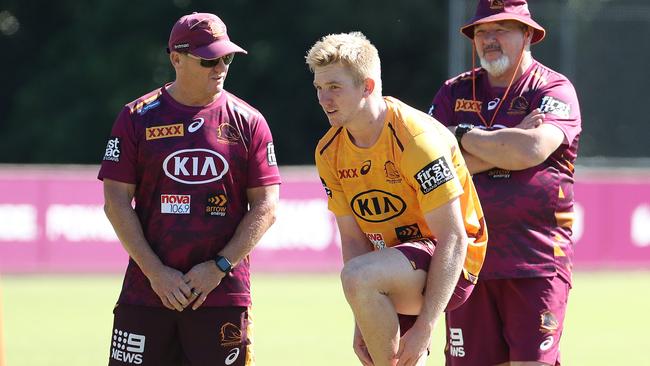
(508, 320)
(150, 336)
(419, 253)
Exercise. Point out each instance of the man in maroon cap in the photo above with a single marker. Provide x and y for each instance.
(518, 124)
(200, 166)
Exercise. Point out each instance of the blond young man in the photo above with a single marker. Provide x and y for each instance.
(412, 231)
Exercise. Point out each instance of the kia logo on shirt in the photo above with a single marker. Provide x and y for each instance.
(377, 206)
(195, 166)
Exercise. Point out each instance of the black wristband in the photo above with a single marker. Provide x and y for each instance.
(461, 130)
(223, 264)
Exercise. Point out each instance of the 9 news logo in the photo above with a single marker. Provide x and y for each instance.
(127, 347)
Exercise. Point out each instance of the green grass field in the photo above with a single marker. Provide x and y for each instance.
(302, 320)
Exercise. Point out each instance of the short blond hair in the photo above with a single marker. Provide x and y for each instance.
(353, 50)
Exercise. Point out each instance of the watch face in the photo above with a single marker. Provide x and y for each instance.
(223, 264)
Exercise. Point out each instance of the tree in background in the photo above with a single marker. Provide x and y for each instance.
(73, 64)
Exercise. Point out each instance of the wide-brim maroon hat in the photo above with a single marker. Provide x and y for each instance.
(203, 35)
(497, 10)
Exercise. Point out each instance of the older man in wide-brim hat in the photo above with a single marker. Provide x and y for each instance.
(518, 124)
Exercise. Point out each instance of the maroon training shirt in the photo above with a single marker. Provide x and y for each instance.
(528, 212)
(191, 167)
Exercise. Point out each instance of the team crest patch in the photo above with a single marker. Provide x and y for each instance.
(518, 105)
(555, 106)
(465, 105)
(230, 335)
(434, 175)
(392, 174)
(548, 322)
(160, 132)
(217, 30)
(228, 134)
(496, 4)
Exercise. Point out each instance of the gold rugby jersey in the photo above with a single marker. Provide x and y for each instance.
(414, 167)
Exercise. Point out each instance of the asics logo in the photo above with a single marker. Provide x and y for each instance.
(195, 125)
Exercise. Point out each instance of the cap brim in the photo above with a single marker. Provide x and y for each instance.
(538, 31)
(217, 49)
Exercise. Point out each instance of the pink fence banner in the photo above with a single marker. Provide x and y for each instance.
(52, 220)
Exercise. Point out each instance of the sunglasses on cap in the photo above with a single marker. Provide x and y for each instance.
(227, 60)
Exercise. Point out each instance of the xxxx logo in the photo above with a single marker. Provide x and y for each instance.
(464, 105)
(160, 132)
(348, 173)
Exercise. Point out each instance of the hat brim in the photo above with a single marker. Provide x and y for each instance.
(538, 31)
(217, 49)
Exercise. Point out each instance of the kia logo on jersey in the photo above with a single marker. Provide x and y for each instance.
(377, 206)
(195, 166)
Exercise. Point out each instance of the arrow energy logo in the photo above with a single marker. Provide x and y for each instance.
(217, 205)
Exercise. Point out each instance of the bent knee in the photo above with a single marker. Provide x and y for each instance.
(353, 279)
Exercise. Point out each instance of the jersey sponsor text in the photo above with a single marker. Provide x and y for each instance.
(464, 105)
(377, 206)
(113, 150)
(555, 106)
(195, 166)
(434, 175)
(456, 342)
(177, 204)
(160, 132)
(127, 347)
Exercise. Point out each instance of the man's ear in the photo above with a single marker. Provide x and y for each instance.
(175, 58)
(368, 87)
(528, 34)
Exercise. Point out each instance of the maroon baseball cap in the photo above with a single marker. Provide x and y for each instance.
(202, 35)
(497, 10)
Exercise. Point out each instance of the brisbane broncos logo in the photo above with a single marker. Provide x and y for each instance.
(496, 4)
(518, 105)
(230, 335)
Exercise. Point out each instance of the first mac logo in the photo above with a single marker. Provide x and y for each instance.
(113, 149)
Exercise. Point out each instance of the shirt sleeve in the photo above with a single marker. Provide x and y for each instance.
(559, 103)
(120, 158)
(336, 201)
(429, 168)
(262, 165)
(441, 108)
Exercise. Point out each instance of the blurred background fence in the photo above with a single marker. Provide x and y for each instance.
(53, 220)
(69, 66)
